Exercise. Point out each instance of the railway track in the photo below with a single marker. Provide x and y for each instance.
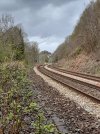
(87, 89)
(82, 75)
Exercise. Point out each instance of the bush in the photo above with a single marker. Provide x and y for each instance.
(16, 102)
(14, 90)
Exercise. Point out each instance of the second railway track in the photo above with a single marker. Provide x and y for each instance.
(83, 75)
(89, 90)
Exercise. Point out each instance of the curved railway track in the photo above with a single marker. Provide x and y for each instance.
(82, 75)
(87, 89)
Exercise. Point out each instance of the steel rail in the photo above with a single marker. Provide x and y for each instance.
(82, 75)
(81, 87)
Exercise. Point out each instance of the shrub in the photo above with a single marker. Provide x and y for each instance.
(16, 102)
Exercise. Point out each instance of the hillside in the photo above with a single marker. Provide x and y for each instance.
(81, 50)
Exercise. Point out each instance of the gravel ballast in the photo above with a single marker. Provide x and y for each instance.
(80, 99)
(76, 120)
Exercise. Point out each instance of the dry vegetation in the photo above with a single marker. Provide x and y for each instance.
(84, 43)
(19, 113)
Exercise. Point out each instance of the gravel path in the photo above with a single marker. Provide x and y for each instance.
(75, 119)
(83, 101)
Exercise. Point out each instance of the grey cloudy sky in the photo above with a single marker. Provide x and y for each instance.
(46, 21)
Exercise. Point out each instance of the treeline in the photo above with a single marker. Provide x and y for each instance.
(44, 57)
(31, 53)
(85, 36)
(17, 94)
(13, 43)
(11, 40)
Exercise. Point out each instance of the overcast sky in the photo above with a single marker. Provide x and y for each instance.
(46, 21)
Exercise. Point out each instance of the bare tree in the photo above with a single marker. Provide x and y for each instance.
(6, 22)
(31, 53)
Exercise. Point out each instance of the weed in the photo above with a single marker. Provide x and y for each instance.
(16, 102)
